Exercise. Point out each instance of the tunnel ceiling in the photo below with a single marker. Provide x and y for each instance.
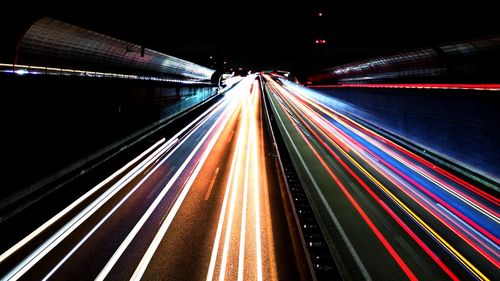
(54, 43)
(267, 34)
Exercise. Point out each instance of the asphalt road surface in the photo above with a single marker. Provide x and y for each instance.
(387, 213)
(203, 205)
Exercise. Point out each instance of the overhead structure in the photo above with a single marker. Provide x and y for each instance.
(54, 43)
(471, 60)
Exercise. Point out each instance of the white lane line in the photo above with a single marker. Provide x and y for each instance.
(241, 259)
(69, 227)
(68, 209)
(117, 254)
(212, 182)
(141, 268)
(348, 243)
(101, 222)
(229, 225)
(215, 249)
(229, 185)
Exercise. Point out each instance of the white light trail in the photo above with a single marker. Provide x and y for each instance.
(121, 249)
(69, 227)
(146, 259)
(68, 209)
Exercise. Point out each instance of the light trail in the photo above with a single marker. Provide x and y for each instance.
(102, 221)
(441, 219)
(255, 169)
(240, 241)
(141, 222)
(77, 202)
(244, 173)
(479, 87)
(356, 142)
(333, 217)
(404, 207)
(241, 253)
(121, 183)
(141, 268)
(360, 210)
(230, 186)
(68, 228)
(310, 97)
(220, 225)
(54, 240)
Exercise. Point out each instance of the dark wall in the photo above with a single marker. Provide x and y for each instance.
(462, 125)
(49, 122)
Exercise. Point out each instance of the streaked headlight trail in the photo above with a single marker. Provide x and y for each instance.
(151, 191)
(202, 204)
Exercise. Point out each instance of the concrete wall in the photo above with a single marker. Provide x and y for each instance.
(461, 125)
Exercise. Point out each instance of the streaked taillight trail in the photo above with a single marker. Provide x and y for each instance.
(460, 217)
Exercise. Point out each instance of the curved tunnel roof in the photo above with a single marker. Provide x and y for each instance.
(424, 62)
(55, 43)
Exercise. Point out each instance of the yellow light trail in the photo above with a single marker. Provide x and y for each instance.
(324, 132)
(466, 263)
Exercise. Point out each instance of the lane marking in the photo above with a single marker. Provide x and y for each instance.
(170, 144)
(473, 270)
(141, 268)
(229, 224)
(215, 249)
(68, 209)
(87, 236)
(229, 185)
(241, 258)
(27, 263)
(34, 257)
(118, 253)
(334, 218)
(212, 182)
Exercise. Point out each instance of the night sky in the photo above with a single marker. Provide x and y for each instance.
(267, 34)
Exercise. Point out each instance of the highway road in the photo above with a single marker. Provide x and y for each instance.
(386, 212)
(203, 205)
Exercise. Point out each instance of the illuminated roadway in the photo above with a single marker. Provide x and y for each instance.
(387, 213)
(203, 205)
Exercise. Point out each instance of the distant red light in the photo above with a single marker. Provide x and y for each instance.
(320, 14)
(320, 41)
